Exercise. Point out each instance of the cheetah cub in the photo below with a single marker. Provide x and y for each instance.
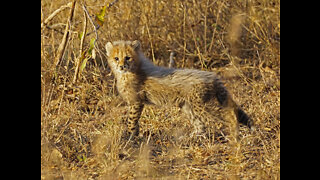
(141, 82)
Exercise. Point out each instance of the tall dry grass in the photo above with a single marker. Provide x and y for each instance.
(81, 120)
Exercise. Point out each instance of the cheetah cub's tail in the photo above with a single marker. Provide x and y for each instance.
(243, 118)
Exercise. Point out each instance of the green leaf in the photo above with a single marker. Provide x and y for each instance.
(82, 158)
(80, 35)
(86, 55)
(92, 41)
(83, 64)
(100, 16)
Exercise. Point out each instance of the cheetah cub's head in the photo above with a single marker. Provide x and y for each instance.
(123, 56)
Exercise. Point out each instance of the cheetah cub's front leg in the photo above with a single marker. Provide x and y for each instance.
(135, 111)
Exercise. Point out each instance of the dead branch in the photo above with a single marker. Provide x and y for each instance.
(76, 72)
(51, 16)
(65, 38)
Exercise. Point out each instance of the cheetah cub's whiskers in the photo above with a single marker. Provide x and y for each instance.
(141, 82)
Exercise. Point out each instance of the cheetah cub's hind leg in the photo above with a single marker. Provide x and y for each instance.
(230, 117)
(195, 119)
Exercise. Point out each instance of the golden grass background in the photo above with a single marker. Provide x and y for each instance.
(81, 122)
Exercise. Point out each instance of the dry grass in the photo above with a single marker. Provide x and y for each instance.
(81, 122)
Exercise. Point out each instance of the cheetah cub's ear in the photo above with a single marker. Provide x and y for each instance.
(109, 47)
(136, 45)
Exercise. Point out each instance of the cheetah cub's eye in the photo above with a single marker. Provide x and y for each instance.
(127, 58)
(116, 58)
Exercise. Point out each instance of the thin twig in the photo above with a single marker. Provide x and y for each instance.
(151, 45)
(172, 63)
(215, 28)
(91, 21)
(76, 72)
(65, 38)
(84, 33)
(184, 34)
(112, 3)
